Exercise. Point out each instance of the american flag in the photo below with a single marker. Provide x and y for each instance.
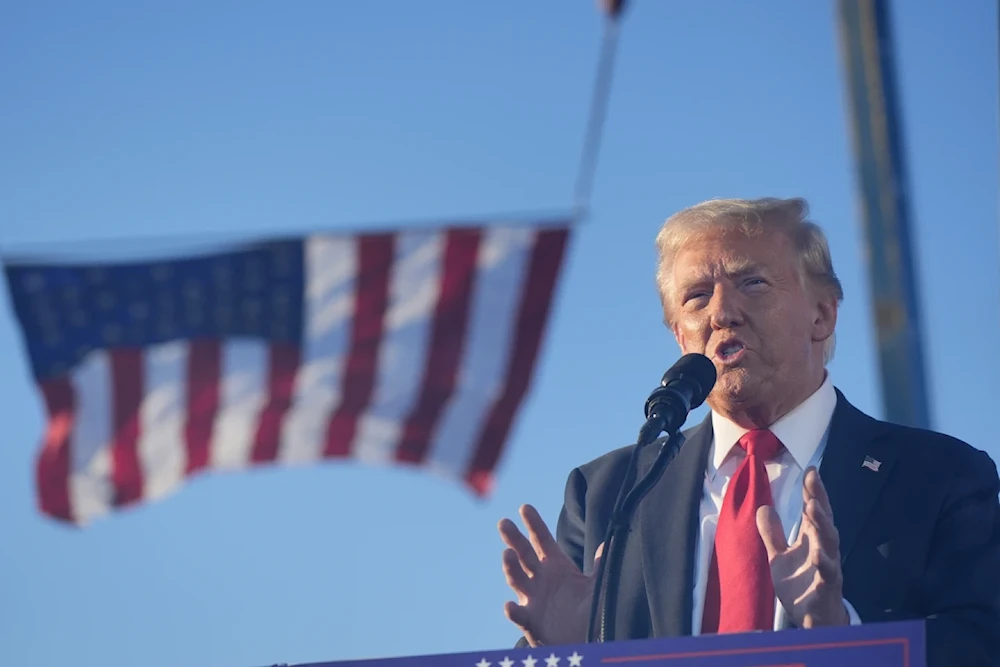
(405, 347)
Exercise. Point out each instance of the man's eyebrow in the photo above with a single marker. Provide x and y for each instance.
(695, 279)
(742, 267)
(733, 268)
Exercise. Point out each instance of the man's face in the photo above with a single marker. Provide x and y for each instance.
(739, 301)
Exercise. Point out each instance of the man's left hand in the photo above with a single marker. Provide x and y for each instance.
(806, 575)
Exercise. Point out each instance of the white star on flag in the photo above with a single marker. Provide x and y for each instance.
(575, 659)
(506, 662)
(552, 661)
(529, 662)
(484, 663)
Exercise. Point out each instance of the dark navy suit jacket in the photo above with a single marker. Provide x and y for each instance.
(919, 537)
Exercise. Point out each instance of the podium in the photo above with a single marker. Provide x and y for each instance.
(899, 644)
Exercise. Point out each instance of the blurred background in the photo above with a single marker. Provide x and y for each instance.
(155, 121)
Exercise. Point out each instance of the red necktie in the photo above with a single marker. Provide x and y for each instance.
(740, 596)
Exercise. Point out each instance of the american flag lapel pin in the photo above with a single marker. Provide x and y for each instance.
(871, 464)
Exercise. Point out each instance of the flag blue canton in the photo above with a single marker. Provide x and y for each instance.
(67, 311)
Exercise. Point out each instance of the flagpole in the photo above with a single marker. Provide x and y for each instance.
(598, 108)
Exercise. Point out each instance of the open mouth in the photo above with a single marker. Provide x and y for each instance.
(730, 351)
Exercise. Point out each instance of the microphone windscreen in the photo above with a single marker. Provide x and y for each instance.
(694, 369)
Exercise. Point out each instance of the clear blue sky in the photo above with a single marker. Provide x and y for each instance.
(143, 119)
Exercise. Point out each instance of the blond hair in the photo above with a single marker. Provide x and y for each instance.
(753, 217)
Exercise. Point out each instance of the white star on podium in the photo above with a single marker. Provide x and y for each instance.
(484, 663)
(529, 662)
(552, 661)
(506, 662)
(575, 659)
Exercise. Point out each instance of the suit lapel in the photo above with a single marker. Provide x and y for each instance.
(668, 528)
(856, 464)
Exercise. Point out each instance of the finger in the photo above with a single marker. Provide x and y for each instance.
(826, 532)
(517, 578)
(545, 545)
(824, 559)
(514, 539)
(519, 616)
(829, 569)
(813, 486)
(808, 537)
(771, 532)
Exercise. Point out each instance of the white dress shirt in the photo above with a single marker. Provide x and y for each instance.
(803, 432)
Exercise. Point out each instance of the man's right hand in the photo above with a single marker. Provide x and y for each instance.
(553, 595)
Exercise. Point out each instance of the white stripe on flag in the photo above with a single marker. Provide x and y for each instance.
(242, 393)
(162, 447)
(331, 265)
(413, 293)
(90, 488)
(502, 265)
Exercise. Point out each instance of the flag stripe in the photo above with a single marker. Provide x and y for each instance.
(375, 254)
(127, 389)
(203, 364)
(535, 302)
(331, 268)
(447, 339)
(162, 454)
(282, 366)
(54, 459)
(414, 291)
(91, 489)
(243, 394)
(503, 258)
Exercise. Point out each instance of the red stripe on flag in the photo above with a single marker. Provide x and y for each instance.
(203, 373)
(451, 317)
(536, 299)
(53, 467)
(282, 366)
(127, 389)
(375, 261)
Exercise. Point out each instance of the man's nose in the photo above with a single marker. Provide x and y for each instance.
(725, 308)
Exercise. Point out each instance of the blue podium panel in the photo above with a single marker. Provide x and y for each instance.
(876, 645)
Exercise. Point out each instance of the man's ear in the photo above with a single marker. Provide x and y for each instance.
(825, 322)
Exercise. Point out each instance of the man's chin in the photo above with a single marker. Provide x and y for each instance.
(733, 387)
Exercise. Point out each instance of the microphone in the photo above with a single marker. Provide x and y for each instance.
(683, 388)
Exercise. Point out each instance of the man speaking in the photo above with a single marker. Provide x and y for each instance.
(787, 506)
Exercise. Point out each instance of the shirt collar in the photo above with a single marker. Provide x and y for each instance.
(800, 431)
